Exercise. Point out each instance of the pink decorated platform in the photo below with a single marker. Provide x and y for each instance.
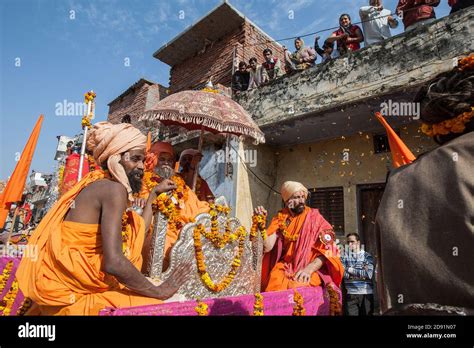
(280, 303)
(11, 298)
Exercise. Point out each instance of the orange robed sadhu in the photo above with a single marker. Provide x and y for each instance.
(66, 277)
(315, 238)
(189, 209)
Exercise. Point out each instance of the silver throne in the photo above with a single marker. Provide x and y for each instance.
(218, 261)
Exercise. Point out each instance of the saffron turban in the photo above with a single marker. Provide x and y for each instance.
(289, 188)
(156, 149)
(109, 141)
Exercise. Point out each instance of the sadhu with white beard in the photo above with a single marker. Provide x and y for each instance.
(159, 168)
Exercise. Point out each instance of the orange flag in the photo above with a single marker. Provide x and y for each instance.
(401, 154)
(14, 189)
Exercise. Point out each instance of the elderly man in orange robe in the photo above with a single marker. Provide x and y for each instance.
(300, 249)
(159, 165)
(89, 245)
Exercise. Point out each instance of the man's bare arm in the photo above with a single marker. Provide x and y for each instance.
(114, 202)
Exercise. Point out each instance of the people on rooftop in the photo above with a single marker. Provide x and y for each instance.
(241, 79)
(256, 72)
(326, 52)
(376, 22)
(303, 58)
(348, 36)
(272, 66)
(416, 13)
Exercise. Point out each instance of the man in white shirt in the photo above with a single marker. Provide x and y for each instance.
(376, 22)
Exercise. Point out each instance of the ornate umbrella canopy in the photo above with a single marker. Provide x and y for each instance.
(201, 110)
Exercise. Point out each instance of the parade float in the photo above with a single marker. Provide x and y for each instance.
(226, 259)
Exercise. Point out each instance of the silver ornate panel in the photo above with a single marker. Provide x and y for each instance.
(218, 261)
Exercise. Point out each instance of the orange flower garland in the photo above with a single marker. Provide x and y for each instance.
(126, 232)
(258, 224)
(168, 205)
(205, 277)
(335, 307)
(258, 305)
(282, 228)
(217, 239)
(201, 309)
(457, 124)
(298, 309)
(453, 125)
(5, 275)
(24, 306)
(7, 302)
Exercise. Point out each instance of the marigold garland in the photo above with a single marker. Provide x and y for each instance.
(258, 305)
(453, 125)
(5, 275)
(258, 225)
(201, 309)
(282, 228)
(219, 240)
(27, 303)
(126, 232)
(205, 277)
(86, 121)
(457, 124)
(89, 96)
(9, 299)
(298, 309)
(168, 205)
(335, 307)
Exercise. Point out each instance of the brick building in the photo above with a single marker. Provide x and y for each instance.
(209, 48)
(132, 103)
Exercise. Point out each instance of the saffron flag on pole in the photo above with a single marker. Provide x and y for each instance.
(401, 154)
(15, 186)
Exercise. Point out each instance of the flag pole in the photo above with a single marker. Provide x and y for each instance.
(89, 98)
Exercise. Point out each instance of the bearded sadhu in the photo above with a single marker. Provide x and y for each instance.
(90, 244)
(300, 249)
(179, 199)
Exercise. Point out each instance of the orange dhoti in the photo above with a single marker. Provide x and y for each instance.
(288, 257)
(66, 277)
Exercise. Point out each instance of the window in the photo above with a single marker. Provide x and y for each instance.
(330, 202)
(126, 119)
(381, 142)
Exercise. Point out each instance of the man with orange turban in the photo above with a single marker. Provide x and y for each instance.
(188, 161)
(89, 245)
(300, 249)
(159, 165)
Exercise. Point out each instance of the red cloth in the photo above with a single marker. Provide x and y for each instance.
(416, 10)
(307, 247)
(351, 46)
(71, 170)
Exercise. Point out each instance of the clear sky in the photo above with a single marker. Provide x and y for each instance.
(55, 50)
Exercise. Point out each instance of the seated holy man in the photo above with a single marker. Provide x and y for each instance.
(300, 249)
(90, 243)
(180, 204)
